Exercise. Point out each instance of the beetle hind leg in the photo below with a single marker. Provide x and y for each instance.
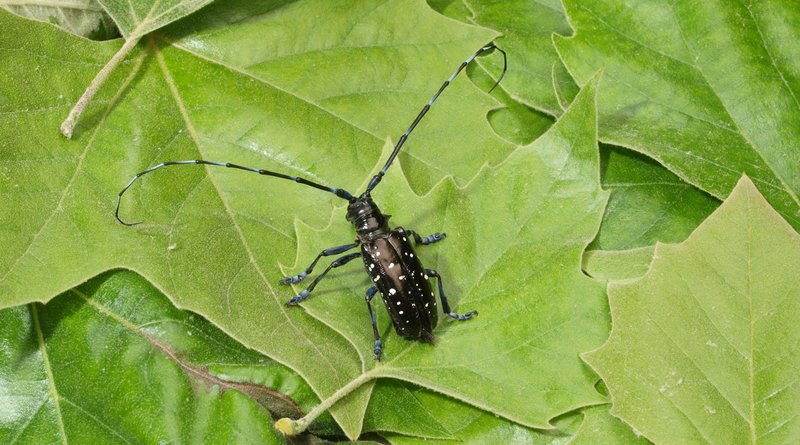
(445, 305)
(378, 350)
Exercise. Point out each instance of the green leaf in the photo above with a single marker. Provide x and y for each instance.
(548, 215)
(648, 203)
(708, 89)
(527, 29)
(467, 424)
(701, 348)
(600, 427)
(213, 238)
(455, 9)
(135, 18)
(505, 264)
(396, 408)
(112, 361)
(367, 68)
(617, 264)
(85, 18)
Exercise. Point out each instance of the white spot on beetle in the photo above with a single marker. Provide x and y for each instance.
(402, 277)
(405, 239)
(411, 255)
(426, 304)
(426, 276)
(401, 312)
(391, 265)
(398, 303)
(371, 266)
(378, 253)
(376, 278)
(392, 291)
(407, 321)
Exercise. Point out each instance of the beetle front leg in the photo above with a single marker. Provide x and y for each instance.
(430, 239)
(378, 346)
(327, 252)
(341, 261)
(445, 305)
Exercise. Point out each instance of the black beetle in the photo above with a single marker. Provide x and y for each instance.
(388, 255)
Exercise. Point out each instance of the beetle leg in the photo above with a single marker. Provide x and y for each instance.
(378, 346)
(327, 252)
(445, 305)
(430, 239)
(341, 261)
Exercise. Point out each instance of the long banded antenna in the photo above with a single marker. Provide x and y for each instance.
(377, 178)
(344, 194)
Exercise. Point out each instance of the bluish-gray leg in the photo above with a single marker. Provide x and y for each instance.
(378, 346)
(327, 252)
(341, 261)
(430, 239)
(445, 305)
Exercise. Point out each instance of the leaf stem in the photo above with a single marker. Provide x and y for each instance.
(69, 123)
(291, 427)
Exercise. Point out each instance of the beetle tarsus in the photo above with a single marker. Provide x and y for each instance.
(298, 298)
(293, 279)
(462, 317)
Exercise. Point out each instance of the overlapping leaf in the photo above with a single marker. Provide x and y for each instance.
(703, 346)
(527, 28)
(708, 89)
(648, 203)
(537, 310)
(113, 362)
(135, 18)
(333, 67)
(85, 18)
(212, 239)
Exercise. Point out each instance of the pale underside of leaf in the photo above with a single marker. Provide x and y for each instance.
(704, 338)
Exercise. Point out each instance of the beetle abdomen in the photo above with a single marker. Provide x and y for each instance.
(398, 274)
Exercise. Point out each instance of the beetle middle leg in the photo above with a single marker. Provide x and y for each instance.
(327, 252)
(378, 346)
(445, 305)
(341, 261)
(430, 239)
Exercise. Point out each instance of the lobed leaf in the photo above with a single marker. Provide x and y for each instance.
(212, 239)
(136, 18)
(709, 90)
(85, 18)
(701, 346)
(112, 361)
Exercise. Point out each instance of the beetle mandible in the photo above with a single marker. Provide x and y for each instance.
(389, 258)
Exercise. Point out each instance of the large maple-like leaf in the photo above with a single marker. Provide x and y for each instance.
(213, 239)
(112, 361)
(648, 203)
(85, 18)
(709, 89)
(703, 347)
(524, 278)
